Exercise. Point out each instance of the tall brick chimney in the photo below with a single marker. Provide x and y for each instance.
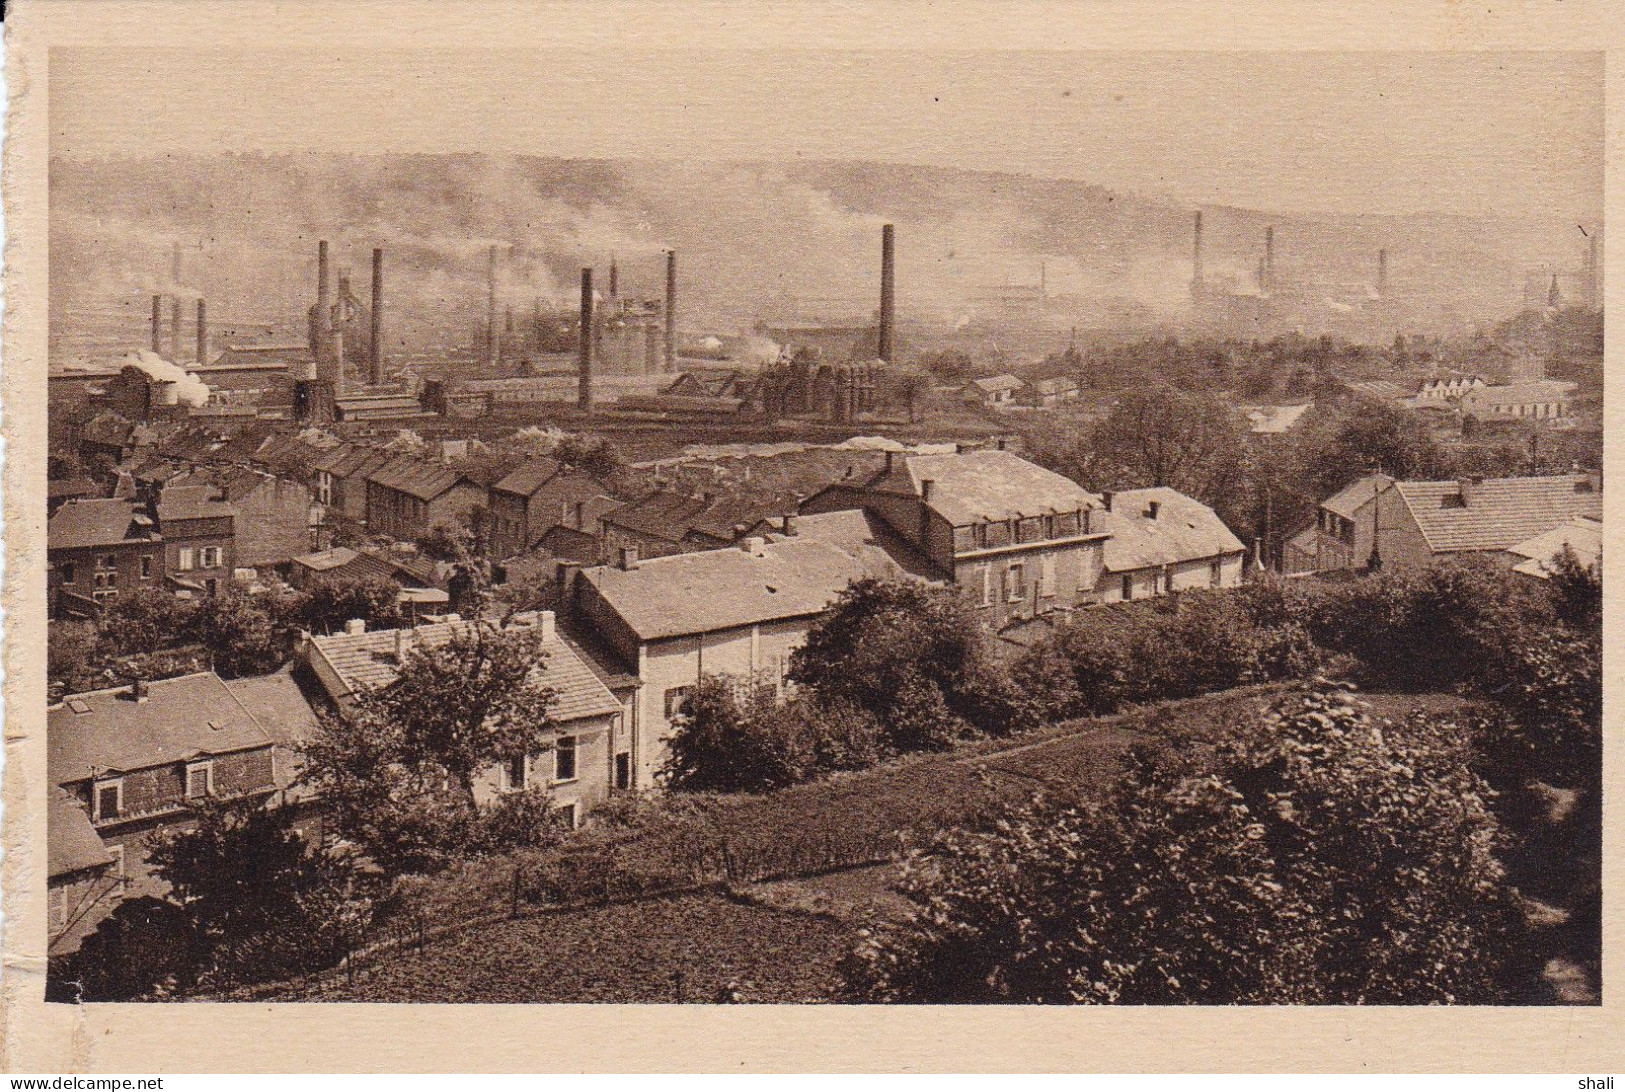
(584, 351)
(671, 311)
(375, 339)
(888, 289)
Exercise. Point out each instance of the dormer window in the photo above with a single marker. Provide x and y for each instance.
(107, 799)
(199, 780)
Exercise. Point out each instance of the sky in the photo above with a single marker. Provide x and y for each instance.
(1513, 134)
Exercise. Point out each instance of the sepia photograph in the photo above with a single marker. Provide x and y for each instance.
(822, 526)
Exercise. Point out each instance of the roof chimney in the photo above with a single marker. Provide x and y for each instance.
(1152, 508)
(1469, 486)
(755, 546)
(375, 343)
(629, 558)
(355, 626)
(402, 643)
(548, 621)
(584, 350)
(138, 690)
(789, 524)
(888, 289)
(1106, 496)
(925, 488)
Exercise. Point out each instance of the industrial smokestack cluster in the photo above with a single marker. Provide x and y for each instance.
(671, 311)
(584, 351)
(888, 301)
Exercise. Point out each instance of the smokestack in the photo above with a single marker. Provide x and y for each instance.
(491, 305)
(175, 303)
(671, 310)
(1382, 273)
(202, 334)
(614, 279)
(584, 353)
(888, 287)
(1269, 256)
(158, 324)
(375, 339)
(1196, 267)
(322, 348)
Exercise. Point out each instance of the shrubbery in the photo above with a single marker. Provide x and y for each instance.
(1323, 859)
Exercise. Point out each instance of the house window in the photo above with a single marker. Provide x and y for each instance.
(209, 557)
(566, 814)
(987, 585)
(513, 774)
(1168, 579)
(68, 571)
(564, 759)
(199, 780)
(146, 566)
(59, 907)
(183, 559)
(117, 867)
(1215, 572)
(1128, 585)
(1018, 583)
(1046, 575)
(677, 701)
(109, 799)
(212, 586)
(107, 561)
(623, 770)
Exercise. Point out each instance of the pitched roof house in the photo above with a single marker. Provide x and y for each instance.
(577, 765)
(739, 611)
(129, 760)
(1163, 541)
(1412, 524)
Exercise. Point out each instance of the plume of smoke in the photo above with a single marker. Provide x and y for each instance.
(188, 389)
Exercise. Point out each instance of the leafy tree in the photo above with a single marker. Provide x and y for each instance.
(950, 364)
(913, 657)
(70, 649)
(594, 454)
(736, 736)
(144, 620)
(1192, 443)
(1578, 590)
(145, 946)
(399, 773)
(1325, 859)
(1366, 435)
(258, 900)
(329, 603)
(243, 636)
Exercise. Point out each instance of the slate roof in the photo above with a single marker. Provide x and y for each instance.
(183, 718)
(1582, 535)
(1183, 530)
(416, 477)
(71, 839)
(93, 522)
(368, 660)
(1499, 512)
(714, 590)
(529, 476)
(1356, 495)
(976, 486)
(71, 487)
(283, 708)
(182, 502)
